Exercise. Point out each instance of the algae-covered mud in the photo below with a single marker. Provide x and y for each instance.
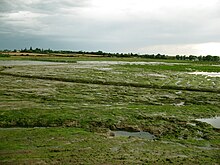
(108, 112)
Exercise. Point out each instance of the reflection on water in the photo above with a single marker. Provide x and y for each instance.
(21, 63)
(101, 63)
(215, 121)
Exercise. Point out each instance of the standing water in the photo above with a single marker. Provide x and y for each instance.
(215, 121)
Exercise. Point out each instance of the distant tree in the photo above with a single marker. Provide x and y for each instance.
(193, 58)
(37, 50)
(178, 57)
(216, 58)
(24, 50)
(208, 58)
(200, 58)
(99, 52)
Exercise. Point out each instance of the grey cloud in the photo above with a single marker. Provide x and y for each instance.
(61, 24)
(39, 5)
(36, 14)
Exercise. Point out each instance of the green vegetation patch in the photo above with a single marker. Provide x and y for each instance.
(76, 146)
(177, 67)
(48, 116)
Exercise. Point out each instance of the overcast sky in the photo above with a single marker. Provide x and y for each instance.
(139, 26)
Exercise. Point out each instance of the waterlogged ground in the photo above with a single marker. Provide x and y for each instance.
(143, 74)
(75, 113)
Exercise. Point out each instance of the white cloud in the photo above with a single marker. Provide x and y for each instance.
(148, 8)
(171, 49)
(210, 48)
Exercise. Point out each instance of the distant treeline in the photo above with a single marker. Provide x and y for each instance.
(198, 58)
(100, 53)
(105, 54)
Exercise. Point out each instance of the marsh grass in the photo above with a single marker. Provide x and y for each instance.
(63, 114)
(76, 146)
(177, 68)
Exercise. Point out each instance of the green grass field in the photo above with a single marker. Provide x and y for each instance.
(64, 113)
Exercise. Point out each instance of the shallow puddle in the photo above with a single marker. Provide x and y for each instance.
(104, 69)
(209, 74)
(215, 121)
(157, 75)
(180, 104)
(104, 63)
(141, 134)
